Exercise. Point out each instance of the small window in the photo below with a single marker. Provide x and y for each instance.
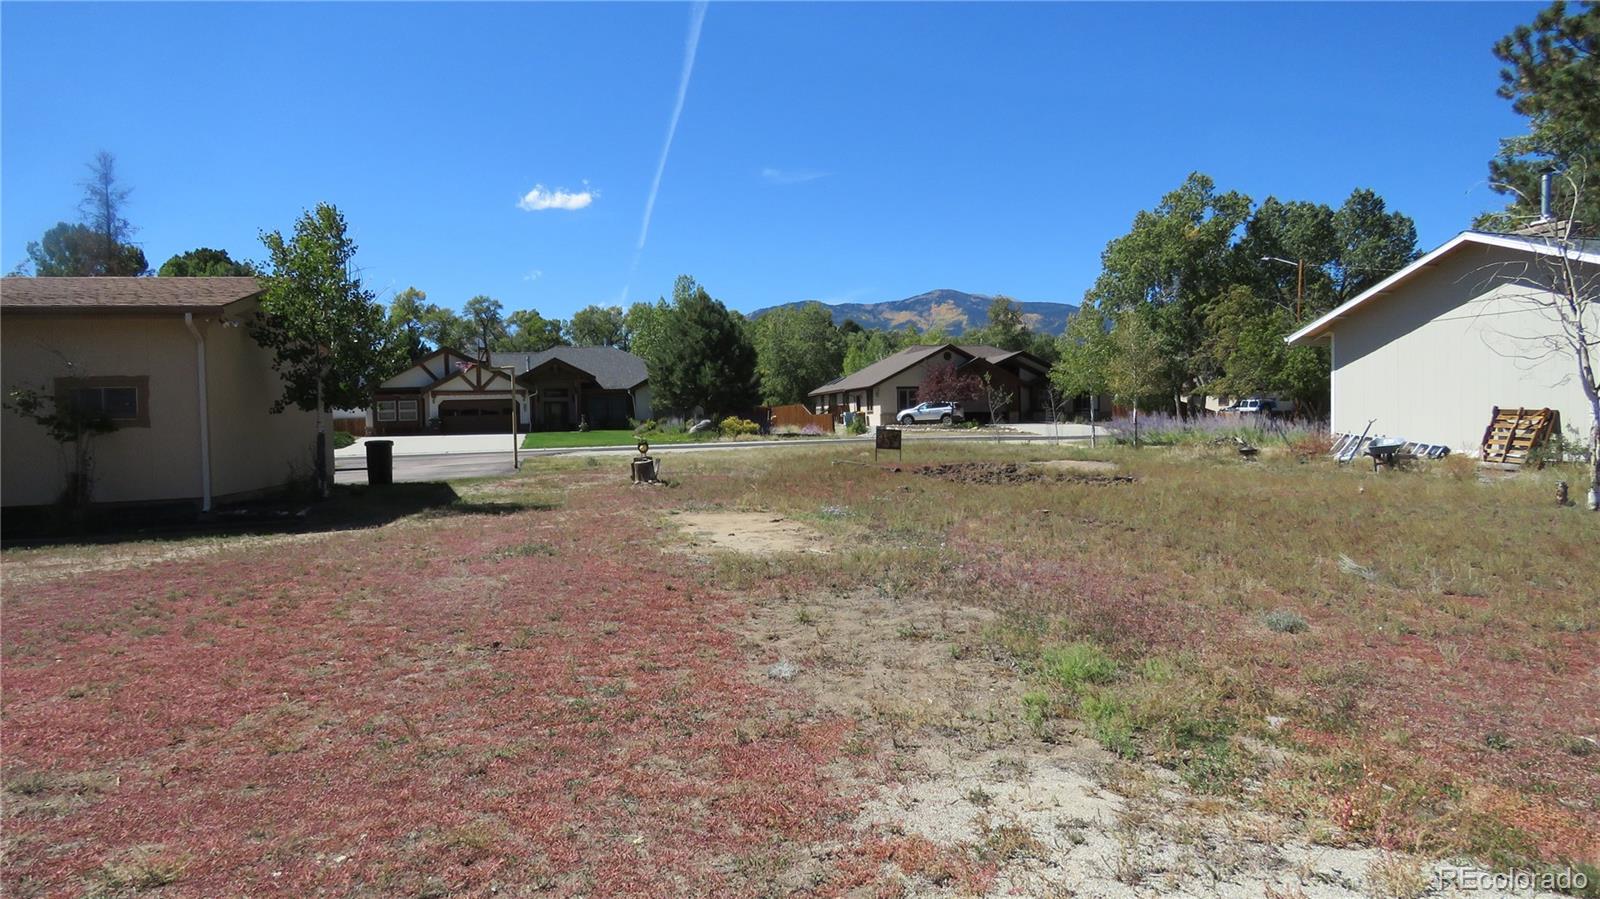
(123, 400)
(386, 410)
(408, 410)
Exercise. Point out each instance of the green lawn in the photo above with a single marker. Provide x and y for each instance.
(563, 439)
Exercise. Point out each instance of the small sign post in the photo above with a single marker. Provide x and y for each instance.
(887, 439)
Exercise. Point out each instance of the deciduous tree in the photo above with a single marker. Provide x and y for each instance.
(530, 332)
(1139, 367)
(944, 384)
(1084, 350)
(598, 326)
(797, 349)
(329, 338)
(204, 263)
(864, 347)
(487, 318)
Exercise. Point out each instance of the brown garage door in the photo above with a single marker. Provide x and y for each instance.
(475, 416)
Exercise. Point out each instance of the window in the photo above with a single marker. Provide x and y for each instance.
(905, 397)
(408, 410)
(386, 410)
(124, 400)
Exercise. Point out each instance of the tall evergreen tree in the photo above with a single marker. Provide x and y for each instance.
(1551, 75)
(699, 355)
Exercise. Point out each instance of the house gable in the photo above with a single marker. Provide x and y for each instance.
(474, 379)
(430, 369)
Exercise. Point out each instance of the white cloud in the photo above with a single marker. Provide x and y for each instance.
(541, 198)
(533, 275)
(791, 176)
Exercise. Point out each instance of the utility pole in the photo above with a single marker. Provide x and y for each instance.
(1300, 288)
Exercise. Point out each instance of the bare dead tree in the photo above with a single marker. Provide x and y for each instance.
(1562, 283)
(999, 400)
(103, 200)
(1054, 401)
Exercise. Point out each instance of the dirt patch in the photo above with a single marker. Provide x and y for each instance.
(950, 763)
(752, 533)
(1016, 473)
(1077, 466)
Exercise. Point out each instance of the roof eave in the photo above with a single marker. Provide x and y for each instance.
(1316, 330)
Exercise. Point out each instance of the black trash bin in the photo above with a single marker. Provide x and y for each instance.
(380, 461)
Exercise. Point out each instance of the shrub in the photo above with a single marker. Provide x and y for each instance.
(1285, 621)
(1036, 710)
(342, 439)
(643, 427)
(858, 425)
(1077, 665)
(1107, 717)
(811, 431)
(733, 426)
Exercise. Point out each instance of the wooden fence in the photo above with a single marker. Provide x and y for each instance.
(796, 415)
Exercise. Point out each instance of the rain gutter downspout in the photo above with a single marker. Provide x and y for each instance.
(205, 417)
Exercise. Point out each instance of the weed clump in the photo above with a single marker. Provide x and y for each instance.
(1285, 621)
(1077, 665)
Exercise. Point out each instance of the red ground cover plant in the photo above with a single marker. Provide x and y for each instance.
(453, 705)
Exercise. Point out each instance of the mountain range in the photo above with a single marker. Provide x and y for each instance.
(955, 311)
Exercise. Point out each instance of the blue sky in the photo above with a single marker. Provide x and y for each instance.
(839, 152)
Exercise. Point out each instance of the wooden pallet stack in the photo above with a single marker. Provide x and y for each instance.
(1513, 435)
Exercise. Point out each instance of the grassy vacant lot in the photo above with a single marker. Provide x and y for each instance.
(547, 685)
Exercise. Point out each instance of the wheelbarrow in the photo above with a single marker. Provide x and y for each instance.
(1385, 451)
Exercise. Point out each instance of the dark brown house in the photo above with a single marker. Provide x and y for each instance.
(448, 391)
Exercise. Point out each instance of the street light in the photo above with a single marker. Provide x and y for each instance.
(1300, 289)
(511, 372)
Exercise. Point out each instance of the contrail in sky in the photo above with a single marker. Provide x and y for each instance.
(697, 18)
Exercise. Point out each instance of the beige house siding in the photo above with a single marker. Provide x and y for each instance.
(251, 450)
(1430, 360)
(881, 404)
(159, 462)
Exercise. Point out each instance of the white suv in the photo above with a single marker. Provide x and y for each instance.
(924, 413)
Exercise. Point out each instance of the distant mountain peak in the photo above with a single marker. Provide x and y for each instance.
(956, 311)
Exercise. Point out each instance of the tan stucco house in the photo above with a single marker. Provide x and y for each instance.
(172, 362)
(883, 388)
(451, 392)
(1429, 352)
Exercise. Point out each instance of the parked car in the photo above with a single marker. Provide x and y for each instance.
(1253, 406)
(924, 413)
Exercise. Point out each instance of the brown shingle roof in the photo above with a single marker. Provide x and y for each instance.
(884, 368)
(92, 295)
